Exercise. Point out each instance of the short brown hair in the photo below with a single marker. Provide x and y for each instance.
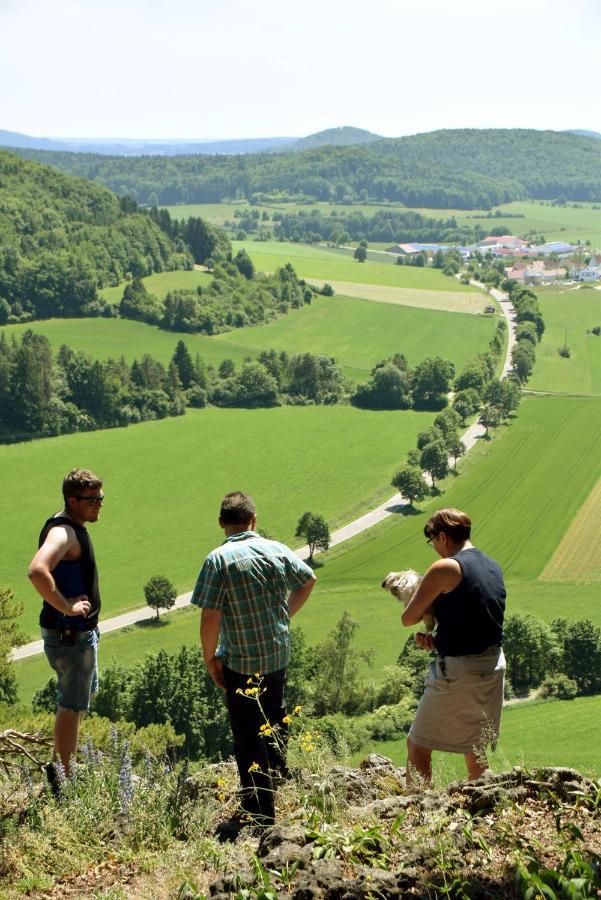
(237, 508)
(456, 524)
(79, 480)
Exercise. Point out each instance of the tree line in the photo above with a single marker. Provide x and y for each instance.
(394, 225)
(44, 395)
(463, 169)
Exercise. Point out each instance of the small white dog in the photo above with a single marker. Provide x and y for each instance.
(403, 585)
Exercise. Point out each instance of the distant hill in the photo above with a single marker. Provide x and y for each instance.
(135, 147)
(582, 133)
(463, 169)
(344, 136)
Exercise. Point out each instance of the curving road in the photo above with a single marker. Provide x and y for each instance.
(388, 508)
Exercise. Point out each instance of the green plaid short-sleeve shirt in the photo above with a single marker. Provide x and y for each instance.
(248, 579)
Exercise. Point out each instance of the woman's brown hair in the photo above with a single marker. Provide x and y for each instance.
(456, 524)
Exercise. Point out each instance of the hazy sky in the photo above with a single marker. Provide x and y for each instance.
(250, 68)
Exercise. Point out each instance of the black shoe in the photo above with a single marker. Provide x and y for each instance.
(229, 830)
(52, 779)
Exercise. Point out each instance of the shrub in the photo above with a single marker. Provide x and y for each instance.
(560, 687)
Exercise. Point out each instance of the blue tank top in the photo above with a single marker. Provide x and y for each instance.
(470, 618)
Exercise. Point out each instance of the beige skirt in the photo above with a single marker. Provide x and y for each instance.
(460, 709)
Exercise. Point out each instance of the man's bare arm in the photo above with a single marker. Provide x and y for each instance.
(59, 541)
(210, 622)
(300, 596)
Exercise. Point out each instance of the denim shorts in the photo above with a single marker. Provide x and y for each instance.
(76, 667)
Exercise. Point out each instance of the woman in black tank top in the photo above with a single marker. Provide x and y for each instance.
(460, 709)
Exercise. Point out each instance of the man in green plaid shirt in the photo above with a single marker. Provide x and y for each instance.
(248, 588)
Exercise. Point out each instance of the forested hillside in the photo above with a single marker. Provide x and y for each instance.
(62, 238)
(462, 169)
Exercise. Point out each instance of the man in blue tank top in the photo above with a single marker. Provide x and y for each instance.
(63, 571)
(460, 709)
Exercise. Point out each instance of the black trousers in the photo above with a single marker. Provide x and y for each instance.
(261, 758)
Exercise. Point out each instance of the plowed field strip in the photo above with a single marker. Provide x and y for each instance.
(578, 556)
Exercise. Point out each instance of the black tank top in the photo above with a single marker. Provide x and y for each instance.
(470, 618)
(73, 577)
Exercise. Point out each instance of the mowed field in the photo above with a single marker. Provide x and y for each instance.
(570, 315)
(164, 481)
(327, 264)
(555, 223)
(357, 333)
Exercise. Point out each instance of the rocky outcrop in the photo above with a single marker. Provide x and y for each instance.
(388, 843)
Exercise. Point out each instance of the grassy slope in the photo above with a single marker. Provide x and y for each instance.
(324, 263)
(164, 481)
(357, 333)
(574, 312)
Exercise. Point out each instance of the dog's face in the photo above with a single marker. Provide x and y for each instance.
(402, 585)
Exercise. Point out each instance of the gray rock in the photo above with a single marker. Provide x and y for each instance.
(281, 833)
(285, 855)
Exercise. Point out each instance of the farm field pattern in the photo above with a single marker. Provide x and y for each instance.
(528, 491)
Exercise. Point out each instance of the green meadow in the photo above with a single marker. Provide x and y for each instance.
(570, 315)
(556, 223)
(325, 264)
(533, 734)
(356, 332)
(164, 481)
(161, 283)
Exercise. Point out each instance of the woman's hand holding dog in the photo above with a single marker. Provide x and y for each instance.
(425, 641)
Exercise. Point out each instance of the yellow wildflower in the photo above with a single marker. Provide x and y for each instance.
(249, 680)
(286, 720)
(257, 674)
(239, 691)
(250, 692)
(221, 782)
(221, 797)
(254, 767)
(298, 709)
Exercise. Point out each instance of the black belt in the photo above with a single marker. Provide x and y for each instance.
(69, 630)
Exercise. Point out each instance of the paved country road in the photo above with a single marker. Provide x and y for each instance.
(388, 508)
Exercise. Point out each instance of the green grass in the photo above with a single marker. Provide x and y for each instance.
(569, 314)
(357, 333)
(535, 734)
(328, 264)
(555, 222)
(161, 283)
(164, 481)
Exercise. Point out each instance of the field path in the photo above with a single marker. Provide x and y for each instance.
(381, 512)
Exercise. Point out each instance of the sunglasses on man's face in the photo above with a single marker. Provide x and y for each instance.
(91, 501)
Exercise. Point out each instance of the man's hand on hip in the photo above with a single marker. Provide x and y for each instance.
(79, 606)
